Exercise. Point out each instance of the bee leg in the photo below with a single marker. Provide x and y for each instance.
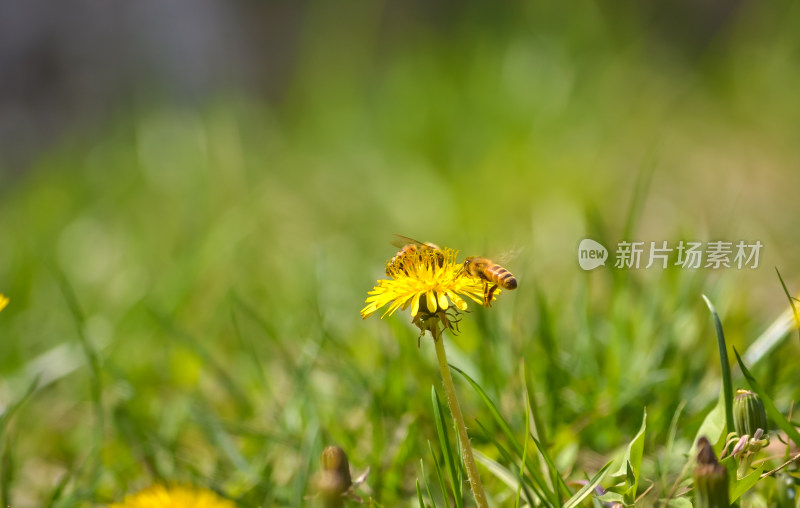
(488, 295)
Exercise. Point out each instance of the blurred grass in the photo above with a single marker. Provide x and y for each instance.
(220, 253)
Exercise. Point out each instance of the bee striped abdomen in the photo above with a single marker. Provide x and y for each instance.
(502, 277)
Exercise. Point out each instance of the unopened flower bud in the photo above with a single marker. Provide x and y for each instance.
(334, 480)
(740, 447)
(710, 478)
(748, 413)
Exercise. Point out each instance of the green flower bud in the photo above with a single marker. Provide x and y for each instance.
(710, 479)
(748, 413)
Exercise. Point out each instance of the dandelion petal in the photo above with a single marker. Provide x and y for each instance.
(431, 301)
(443, 303)
(414, 306)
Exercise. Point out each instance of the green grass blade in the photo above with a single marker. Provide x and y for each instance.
(559, 481)
(425, 477)
(419, 496)
(727, 385)
(507, 476)
(500, 472)
(13, 408)
(589, 487)
(554, 472)
(311, 448)
(551, 496)
(447, 450)
(536, 484)
(135, 434)
(525, 449)
(95, 372)
(226, 379)
(247, 345)
(640, 190)
(460, 466)
(8, 471)
(55, 496)
(772, 411)
(541, 431)
(269, 332)
(791, 301)
(216, 433)
(673, 427)
(439, 475)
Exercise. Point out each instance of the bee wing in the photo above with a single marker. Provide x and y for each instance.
(508, 256)
(401, 241)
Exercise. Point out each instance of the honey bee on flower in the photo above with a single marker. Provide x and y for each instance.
(430, 282)
(490, 273)
(407, 246)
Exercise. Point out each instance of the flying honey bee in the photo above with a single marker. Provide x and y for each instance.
(491, 274)
(407, 246)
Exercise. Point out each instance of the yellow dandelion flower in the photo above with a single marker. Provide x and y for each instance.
(430, 273)
(3, 301)
(159, 496)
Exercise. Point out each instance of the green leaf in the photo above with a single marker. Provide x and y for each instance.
(712, 427)
(738, 486)
(589, 487)
(772, 411)
(631, 464)
(611, 497)
(727, 384)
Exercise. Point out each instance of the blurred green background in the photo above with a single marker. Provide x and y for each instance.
(194, 201)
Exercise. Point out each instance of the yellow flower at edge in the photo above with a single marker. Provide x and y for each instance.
(3, 301)
(430, 273)
(160, 496)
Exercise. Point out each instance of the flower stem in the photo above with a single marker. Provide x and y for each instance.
(455, 410)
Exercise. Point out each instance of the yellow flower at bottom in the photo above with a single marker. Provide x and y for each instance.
(3, 301)
(159, 496)
(430, 273)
